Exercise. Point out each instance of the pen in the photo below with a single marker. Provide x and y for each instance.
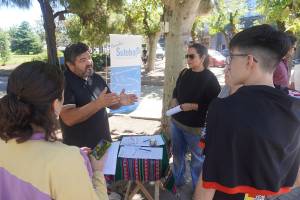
(145, 149)
(146, 140)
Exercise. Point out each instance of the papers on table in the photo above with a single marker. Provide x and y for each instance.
(294, 93)
(136, 152)
(142, 140)
(111, 160)
(173, 111)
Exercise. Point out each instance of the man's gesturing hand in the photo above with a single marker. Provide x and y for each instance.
(107, 99)
(127, 99)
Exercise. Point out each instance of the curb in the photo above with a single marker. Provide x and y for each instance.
(134, 117)
(4, 73)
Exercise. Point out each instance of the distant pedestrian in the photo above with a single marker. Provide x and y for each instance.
(144, 56)
(281, 73)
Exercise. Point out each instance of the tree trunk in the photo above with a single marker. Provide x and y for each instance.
(227, 39)
(181, 16)
(153, 39)
(49, 26)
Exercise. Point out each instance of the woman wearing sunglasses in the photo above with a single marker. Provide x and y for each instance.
(195, 88)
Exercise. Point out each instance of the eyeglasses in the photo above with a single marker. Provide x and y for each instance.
(190, 56)
(229, 58)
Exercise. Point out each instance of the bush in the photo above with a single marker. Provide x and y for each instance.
(4, 47)
(100, 61)
(41, 57)
(24, 40)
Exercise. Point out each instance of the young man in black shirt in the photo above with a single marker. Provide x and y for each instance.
(253, 136)
(83, 119)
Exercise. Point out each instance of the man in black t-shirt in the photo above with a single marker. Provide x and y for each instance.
(252, 144)
(83, 118)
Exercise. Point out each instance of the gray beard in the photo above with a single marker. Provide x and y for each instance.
(89, 73)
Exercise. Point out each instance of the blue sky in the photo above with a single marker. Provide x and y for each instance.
(10, 16)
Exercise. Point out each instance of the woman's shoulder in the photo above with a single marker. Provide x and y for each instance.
(42, 153)
(184, 70)
(57, 150)
(62, 156)
(208, 71)
(211, 75)
(62, 148)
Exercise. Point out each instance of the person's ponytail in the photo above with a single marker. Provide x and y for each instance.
(28, 106)
(15, 117)
(206, 62)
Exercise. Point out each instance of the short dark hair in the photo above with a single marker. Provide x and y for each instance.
(202, 51)
(74, 50)
(265, 42)
(32, 87)
(292, 38)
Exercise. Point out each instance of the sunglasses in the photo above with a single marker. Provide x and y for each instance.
(190, 56)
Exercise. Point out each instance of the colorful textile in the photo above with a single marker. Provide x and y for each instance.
(145, 170)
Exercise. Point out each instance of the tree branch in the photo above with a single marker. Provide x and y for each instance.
(60, 12)
(205, 6)
(146, 25)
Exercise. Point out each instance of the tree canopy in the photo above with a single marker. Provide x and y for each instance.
(4, 47)
(285, 14)
(24, 40)
(223, 19)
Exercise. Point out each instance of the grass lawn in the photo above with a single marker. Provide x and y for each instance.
(15, 59)
(18, 59)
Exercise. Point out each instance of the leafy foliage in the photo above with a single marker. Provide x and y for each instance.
(143, 16)
(284, 13)
(100, 61)
(4, 47)
(24, 40)
(95, 26)
(224, 18)
(62, 38)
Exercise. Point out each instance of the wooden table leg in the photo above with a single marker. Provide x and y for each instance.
(135, 190)
(144, 190)
(156, 195)
(128, 190)
(140, 186)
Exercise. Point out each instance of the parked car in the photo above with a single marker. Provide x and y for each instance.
(225, 52)
(296, 61)
(216, 59)
(160, 53)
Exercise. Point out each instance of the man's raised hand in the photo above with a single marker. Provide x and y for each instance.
(107, 99)
(127, 99)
